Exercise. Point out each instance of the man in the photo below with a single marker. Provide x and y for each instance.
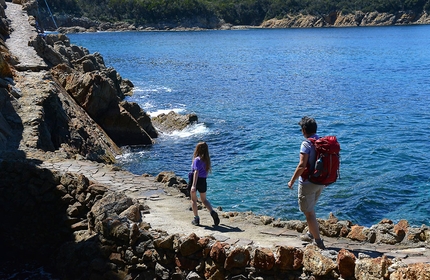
(308, 193)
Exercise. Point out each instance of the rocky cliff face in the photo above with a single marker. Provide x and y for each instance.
(62, 98)
(338, 19)
(334, 19)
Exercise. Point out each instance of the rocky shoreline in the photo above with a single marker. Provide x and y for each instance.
(335, 19)
(64, 204)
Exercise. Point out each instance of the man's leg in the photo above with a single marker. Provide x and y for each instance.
(314, 229)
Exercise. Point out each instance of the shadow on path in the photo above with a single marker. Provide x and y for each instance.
(223, 228)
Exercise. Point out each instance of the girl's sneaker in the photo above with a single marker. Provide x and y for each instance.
(215, 217)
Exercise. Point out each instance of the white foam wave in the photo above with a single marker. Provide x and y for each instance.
(166, 111)
(191, 130)
(127, 155)
(152, 89)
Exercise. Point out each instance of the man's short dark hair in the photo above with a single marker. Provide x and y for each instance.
(308, 124)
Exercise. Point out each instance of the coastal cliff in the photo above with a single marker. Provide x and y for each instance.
(62, 121)
(334, 19)
(65, 98)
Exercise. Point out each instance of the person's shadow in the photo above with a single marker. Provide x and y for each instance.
(223, 228)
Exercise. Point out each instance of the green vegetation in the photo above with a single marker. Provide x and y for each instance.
(237, 12)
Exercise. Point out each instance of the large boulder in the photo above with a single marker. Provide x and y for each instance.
(173, 121)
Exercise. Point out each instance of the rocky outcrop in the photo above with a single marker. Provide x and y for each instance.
(37, 113)
(334, 19)
(96, 88)
(173, 121)
(68, 102)
(338, 19)
(54, 122)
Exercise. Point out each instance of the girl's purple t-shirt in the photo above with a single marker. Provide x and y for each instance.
(199, 165)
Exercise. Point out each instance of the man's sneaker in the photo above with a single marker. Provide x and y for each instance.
(196, 221)
(307, 237)
(319, 243)
(215, 217)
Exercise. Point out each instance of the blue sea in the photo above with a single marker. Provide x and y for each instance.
(369, 86)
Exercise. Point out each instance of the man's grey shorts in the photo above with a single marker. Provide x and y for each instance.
(308, 195)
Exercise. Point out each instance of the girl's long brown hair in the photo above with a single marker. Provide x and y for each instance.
(202, 151)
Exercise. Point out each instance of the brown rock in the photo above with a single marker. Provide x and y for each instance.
(189, 245)
(357, 233)
(82, 225)
(214, 274)
(346, 263)
(218, 253)
(118, 230)
(289, 258)
(344, 231)
(425, 235)
(401, 228)
(116, 259)
(414, 235)
(97, 189)
(117, 122)
(142, 118)
(82, 184)
(316, 263)
(165, 243)
(263, 259)
(184, 263)
(132, 213)
(417, 271)
(5, 70)
(173, 121)
(386, 221)
(368, 268)
(239, 257)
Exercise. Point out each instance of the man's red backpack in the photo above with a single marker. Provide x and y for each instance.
(327, 161)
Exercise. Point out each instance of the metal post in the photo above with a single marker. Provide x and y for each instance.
(49, 10)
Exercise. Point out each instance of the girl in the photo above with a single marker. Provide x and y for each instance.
(201, 166)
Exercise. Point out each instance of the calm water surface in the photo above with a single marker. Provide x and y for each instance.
(249, 88)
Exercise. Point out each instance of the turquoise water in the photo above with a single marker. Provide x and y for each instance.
(249, 88)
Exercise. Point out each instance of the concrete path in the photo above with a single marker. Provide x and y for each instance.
(18, 40)
(170, 211)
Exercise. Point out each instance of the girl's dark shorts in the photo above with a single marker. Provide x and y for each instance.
(201, 185)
